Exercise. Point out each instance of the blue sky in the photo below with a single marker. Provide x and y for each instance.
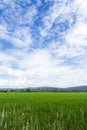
(43, 43)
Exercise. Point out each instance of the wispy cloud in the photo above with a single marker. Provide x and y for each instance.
(43, 43)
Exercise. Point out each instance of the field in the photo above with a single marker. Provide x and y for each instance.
(43, 111)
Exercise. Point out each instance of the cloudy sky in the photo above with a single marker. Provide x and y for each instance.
(43, 43)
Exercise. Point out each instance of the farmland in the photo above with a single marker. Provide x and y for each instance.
(43, 111)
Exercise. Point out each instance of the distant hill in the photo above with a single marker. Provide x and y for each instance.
(54, 89)
(47, 89)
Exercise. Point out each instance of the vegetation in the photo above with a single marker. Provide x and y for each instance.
(43, 111)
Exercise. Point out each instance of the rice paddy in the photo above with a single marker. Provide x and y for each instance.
(43, 111)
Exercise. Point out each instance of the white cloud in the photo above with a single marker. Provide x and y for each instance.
(21, 37)
(70, 52)
(29, 15)
(44, 67)
(38, 68)
(14, 15)
(3, 32)
(82, 8)
(51, 16)
(47, 76)
(78, 35)
(58, 12)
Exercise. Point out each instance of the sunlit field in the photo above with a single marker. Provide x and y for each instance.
(43, 111)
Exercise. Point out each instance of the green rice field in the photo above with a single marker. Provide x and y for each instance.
(43, 111)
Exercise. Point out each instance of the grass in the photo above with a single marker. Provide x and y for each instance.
(43, 111)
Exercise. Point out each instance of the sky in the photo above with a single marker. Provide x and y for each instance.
(43, 43)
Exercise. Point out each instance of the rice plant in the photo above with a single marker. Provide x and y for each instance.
(43, 111)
